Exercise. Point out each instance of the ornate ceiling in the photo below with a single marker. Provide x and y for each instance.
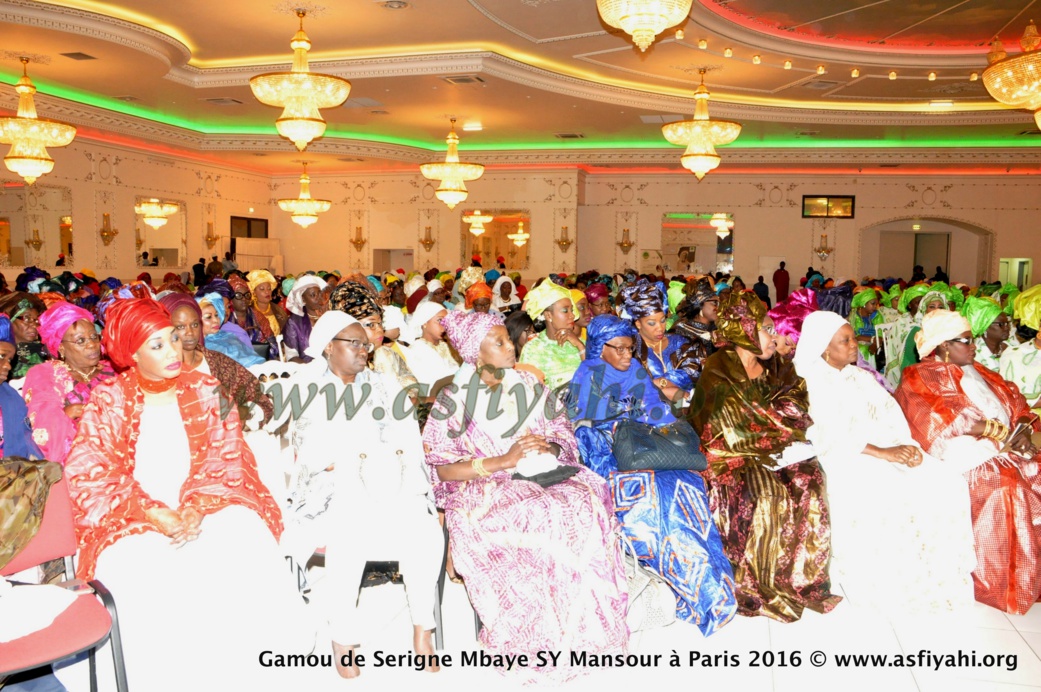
(165, 74)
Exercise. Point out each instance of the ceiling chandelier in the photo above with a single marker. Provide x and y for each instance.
(722, 224)
(477, 221)
(29, 135)
(452, 174)
(304, 209)
(520, 237)
(155, 211)
(300, 93)
(1016, 80)
(701, 135)
(643, 19)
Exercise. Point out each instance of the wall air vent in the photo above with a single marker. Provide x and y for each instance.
(223, 101)
(569, 135)
(78, 56)
(821, 84)
(464, 79)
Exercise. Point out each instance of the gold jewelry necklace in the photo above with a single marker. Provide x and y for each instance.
(84, 377)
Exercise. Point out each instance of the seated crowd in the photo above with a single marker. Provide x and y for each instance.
(527, 440)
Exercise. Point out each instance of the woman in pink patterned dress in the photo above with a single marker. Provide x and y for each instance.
(56, 390)
(542, 565)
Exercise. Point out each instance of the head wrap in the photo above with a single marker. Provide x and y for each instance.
(413, 285)
(215, 300)
(931, 296)
(295, 299)
(393, 318)
(22, 282)
(238, 284)
(376, 284)
(331, 323)
(912, 292)
(491, 276)
(6, 335)
(466, 330)
(413, 301)
(676, 293)
(576, 296)
(1010, 291)
(702, 292)
(542, 297)
(602, 329)
(258, 277)
(14, 305)
(287, 285)
(175, 301)
(818, 330)
(644, 298)
(939, 326)
(134, 289)
(56, 320)
(739, 318)
(130, 324)
(1027, 307)
(468, 278)
(595, 292)
(355, 300)
(145, 276)
(981, 313)
(218, 286)
(423, 314)
(476, 292)
(790, 315)
(837, 300)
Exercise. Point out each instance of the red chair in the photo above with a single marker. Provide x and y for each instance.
(85, 625)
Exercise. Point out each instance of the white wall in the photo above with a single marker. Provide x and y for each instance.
(889, 259)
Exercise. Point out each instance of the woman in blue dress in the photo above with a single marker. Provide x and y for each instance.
(665, 514)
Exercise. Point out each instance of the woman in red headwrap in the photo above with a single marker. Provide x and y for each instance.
(56, 391)
(170, 513)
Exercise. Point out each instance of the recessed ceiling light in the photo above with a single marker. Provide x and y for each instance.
(728, 53)
(703, 44)
(932, 76)
(756, 60)
(854, 73)
(820, 69)
(787, 64)
(679, 34)
(974, 76)
(892, 75)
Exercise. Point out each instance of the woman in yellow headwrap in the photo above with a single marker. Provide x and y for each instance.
(556, 351)
(261, 284)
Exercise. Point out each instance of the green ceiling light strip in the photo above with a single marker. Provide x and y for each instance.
(653, 140)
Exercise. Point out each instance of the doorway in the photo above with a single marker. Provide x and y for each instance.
(392, 259)
(1015, 270)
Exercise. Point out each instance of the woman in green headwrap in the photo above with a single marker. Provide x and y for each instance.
(990, 328)
(888, 302)
(556, 351)
(1006, 297)
(863, 316)
(1021, 364)
(25, 309)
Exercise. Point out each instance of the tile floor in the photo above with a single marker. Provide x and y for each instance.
(846, 630)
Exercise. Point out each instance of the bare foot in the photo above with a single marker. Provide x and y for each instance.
(339, 652)
(423, 644)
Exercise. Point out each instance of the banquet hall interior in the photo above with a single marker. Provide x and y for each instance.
(866, 143)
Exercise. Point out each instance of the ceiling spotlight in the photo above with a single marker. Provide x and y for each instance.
(820, 69)
(679, 34)
(854, 73)
(787, 64)
(932, 76)
(728, 53)
(974, 76)
(892, 75)
(756, 60)
(703, 44)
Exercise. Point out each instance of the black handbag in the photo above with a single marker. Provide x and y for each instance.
(674, 447)
(548, 478)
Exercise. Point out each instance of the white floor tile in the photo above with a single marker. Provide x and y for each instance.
(1034, 640)
(1030, 622)
(968, 641)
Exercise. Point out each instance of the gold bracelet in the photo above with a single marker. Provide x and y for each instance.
(987, 428)
(1001, 431)
(478, 466)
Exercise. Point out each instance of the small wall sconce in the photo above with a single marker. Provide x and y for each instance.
(564, 242)
(138, 240)
(822, 250)
(210, 238)
(358, 241)
(36, 242)
(106, 231)
(625, 244)
(427, 241)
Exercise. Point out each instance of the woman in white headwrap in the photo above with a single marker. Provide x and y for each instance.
(307, 301)
(970, 417)
(916, 554)
(428, 355)
(504, 294)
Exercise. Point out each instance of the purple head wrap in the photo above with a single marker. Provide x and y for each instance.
(789, 315)
(644, 298)
(466, 330)
(595, 292)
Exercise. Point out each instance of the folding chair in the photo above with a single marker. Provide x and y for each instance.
(85, 625)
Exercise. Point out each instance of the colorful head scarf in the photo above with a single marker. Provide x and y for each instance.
(576, 296)
(238, 284)
(130, 291)
(644, 298)
(376, 284)
(1010, 291)
(789, 316)
(981, 313)
(542, 297)
(287, 285)
(602, 329)
(676, 293)
(739, 318)
(931, 296)
(912, 292)
(16, 304)
(595, 292)
(6, 334)
(259, 277)
(837, 300)
(355, 300)
(861, 299)
(215, 300)
(491, 276)
(413, 285)
(476, 292)
(413, 301)
(1027, 307)
(56, 320)
(939, 326)
(702, 292)
(468, 278)
(130, 324)
(175, 301)
(466, 330)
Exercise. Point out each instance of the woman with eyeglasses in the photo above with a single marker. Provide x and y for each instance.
(1021, 364)
(245, 315)
(670, 517)
(991, 328)
(766, 488)
(25, 309)
(916, 556)
(57, 390)
(238, 384)
(221, 340)
(980, 425)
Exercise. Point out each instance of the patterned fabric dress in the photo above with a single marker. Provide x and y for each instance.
(1021, 365)
(542, 566)
(700, 346)
(773, 519)
(942, 401)
(680, 361)
(665, 514)
(557, 363)
(50, 387)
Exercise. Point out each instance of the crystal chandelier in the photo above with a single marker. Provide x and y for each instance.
(452, 174)
(304, 209)
(300, 93)
(155, 211)
(643, 19)
(520, 237)
(477, 221)
(29, 135)
(1016, 81)
(722, 224)
(701, 135)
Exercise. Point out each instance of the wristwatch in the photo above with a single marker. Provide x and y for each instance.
(663, 383)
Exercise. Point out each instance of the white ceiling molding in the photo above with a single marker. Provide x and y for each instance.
(509, 27)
